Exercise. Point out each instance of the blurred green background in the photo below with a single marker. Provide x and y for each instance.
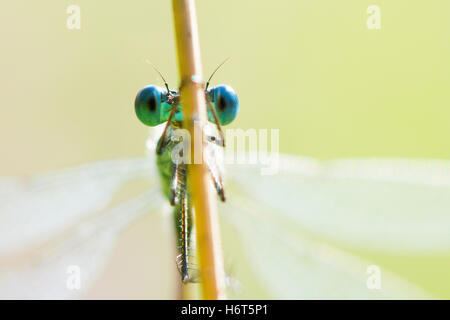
(312, 69)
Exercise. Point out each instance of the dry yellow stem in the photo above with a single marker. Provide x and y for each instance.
(209, 249)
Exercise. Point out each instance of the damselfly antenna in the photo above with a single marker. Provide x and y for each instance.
(164, 80)
(207, 83)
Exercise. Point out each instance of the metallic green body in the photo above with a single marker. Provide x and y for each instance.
(182, 212)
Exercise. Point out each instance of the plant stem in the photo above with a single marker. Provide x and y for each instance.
(209, 251)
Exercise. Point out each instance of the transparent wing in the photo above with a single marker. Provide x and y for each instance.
(390, 205)
(47, 272)
(270, 258)
(71, 217)
(35, 210)
(55, 219)
(288, 224)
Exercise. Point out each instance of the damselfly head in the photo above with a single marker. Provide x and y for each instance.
(155, 105)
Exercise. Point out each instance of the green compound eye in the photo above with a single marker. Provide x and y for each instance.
(225, 102)
(148, 105)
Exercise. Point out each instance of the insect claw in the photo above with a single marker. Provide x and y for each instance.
(173, 198)
(186, 278)
(222, 194)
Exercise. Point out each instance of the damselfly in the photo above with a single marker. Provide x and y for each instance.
(283, 231)
(154, 106)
